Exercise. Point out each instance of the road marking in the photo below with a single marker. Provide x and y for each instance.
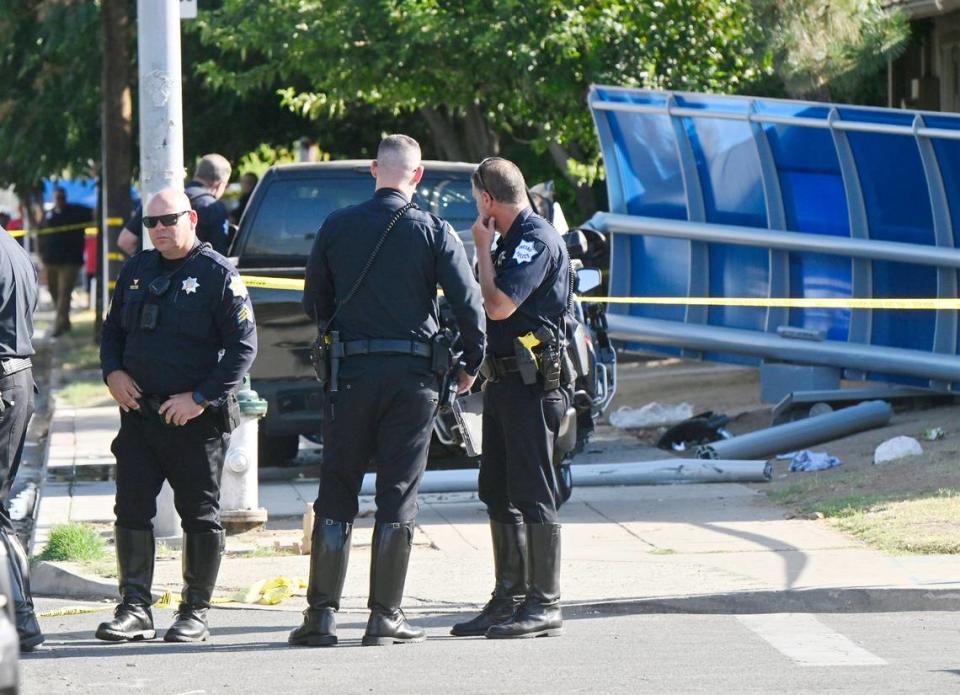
(807, 641)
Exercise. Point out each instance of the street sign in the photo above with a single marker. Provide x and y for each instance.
(188, 9)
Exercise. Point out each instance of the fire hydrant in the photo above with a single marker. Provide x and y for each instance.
(239, 497)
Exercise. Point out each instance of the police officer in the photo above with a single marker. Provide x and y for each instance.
(383, 403)
(525, 284)
(176, 343)
(204, 190)
(18, 300)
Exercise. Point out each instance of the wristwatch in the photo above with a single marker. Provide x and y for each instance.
(200, 400)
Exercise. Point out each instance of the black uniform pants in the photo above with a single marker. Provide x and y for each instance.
(189, 457)
(517, 478)
(383, 411)
(17, 399)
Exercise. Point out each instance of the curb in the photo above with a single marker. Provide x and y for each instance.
(56, 580)
(832, 600)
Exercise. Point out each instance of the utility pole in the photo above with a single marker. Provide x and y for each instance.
(161, 102)
(161, 145)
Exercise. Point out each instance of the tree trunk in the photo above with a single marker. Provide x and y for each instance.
(480, 141)
(445, 138)
(117, 132)
(586, 200)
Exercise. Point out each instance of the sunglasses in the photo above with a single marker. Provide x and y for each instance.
(151, 221)
(479, 173)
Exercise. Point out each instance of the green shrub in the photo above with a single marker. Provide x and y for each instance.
(76, 542)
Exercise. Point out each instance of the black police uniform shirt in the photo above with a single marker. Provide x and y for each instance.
(213, 224)
(531, 267)
(18, 298)
(205, 339)
(398, 298)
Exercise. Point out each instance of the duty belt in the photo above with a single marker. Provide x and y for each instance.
(12, 365)
(495, 368)
(381, 347)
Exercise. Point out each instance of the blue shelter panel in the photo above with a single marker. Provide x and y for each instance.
(898, 209)
(729, 172)
(814, 202)
(653, 187)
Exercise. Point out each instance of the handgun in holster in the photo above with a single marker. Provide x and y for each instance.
(325, 357)
(545, 361)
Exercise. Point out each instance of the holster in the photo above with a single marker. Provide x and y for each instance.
(320, 358)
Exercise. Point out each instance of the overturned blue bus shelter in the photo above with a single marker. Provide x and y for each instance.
(738, 197)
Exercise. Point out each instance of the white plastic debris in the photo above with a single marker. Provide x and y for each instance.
(651, 415)
(897, 448)
(813, 461)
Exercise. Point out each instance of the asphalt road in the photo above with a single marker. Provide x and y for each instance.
(600, 653)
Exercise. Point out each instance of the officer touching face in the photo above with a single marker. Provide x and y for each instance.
(178, 338)
(525, 283)
(371, 283)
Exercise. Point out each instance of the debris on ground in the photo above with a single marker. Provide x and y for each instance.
(807, 460)
(700, 429)
(932, 434)
(897, 448)
(651, 415)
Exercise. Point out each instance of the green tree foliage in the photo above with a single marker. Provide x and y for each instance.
(477, 72)
(49, 90)
(828, 49)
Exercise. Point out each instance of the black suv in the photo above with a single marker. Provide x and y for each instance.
(274, 239)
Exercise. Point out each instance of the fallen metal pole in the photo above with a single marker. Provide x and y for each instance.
(660, 472)
(804, 433)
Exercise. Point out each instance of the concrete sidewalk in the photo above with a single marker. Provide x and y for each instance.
(697, 548)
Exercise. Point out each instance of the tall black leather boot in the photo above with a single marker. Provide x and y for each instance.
(539, 615)
(388, 571)
(329, 553)
(201, 563)
(132, 619)
(28, 629)
(509, 566)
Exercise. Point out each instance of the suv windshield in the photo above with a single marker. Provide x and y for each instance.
(292, 210)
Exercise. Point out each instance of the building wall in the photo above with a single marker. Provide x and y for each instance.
(927, 75)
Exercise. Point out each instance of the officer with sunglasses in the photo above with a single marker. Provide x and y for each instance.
(526, 294)
(18, 301)
(178, 338)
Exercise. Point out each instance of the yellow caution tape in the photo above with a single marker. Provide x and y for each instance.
(273, 283)
(921, 304)
(266, 592)
(85, 226)
(116, 256)
(73, 610)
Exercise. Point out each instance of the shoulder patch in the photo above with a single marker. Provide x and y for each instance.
(237, 287)
(525, 252)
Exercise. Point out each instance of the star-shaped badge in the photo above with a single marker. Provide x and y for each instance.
(190, 286)
(237, 287)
